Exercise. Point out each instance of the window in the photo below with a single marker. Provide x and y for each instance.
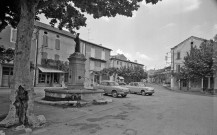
(97, 64)
(92, 52)
(45, 40)
(83, 48)
(7, 71)
(57, 44)
(121, 64)
(44, 55)
(178, 55)
(41, 77)
(178, 68)
(92, 65)
(13, 35)
(57, 57)
(103, 55)
(102, 66)
(117, 62)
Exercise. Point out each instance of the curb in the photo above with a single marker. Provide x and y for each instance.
(72, 103)
(190, 92)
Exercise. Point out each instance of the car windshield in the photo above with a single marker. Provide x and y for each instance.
(141, 84)
(113, 84)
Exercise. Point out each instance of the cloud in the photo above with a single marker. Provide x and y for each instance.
(192, 5)
(215, 26)
(168, 25)
(142, 56)
(177, 6)
(106, 19)
(138, 56)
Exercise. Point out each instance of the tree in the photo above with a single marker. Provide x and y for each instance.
(199, 62)
(21, 14)
(6, 55)
(129, 74)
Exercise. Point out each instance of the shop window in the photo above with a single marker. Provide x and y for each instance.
(7, 71)
(56, 78)
(41, 78)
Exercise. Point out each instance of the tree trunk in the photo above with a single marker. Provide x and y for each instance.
(21, 107)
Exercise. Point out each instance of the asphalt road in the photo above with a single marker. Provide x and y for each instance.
(164, 113)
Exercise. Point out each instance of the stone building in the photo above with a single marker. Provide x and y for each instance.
(178, 53)
(120, 60)
(50, 50)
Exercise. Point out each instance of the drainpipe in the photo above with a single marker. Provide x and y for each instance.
(36, 58)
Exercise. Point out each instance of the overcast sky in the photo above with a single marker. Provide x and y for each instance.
(153, 29)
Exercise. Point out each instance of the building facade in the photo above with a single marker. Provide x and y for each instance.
(120, 60)
(50, 50)
(178, 53)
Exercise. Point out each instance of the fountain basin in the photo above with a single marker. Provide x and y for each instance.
(66, 94)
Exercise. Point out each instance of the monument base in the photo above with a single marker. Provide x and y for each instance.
(65, 94)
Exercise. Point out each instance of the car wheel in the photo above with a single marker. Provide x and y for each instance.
(114, 94)
(150, 94)
(124, 95)
(143, 92)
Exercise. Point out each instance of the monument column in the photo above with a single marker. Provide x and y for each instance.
(76, 71)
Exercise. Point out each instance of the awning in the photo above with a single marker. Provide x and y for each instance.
(120, 77)
(49, 70)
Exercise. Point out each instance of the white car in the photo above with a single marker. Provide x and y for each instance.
(140, 88)
(113, 88)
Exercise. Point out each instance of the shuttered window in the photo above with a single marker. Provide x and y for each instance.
(45, 40)
(13, 35)
(57, 44)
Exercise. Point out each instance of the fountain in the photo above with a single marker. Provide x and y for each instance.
(75, 90)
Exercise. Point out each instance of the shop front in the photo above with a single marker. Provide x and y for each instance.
(6, 75)
(48, 77)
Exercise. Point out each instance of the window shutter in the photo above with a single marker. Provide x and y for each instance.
(57, 44)
(103, 55)
(14, 35)
(92, 52)
(45, 41)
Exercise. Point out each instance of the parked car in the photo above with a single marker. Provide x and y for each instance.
(140, 88)
(122, 83)
(113, 88)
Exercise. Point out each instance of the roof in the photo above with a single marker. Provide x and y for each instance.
(126, 61)
(187, 40)
(63, 32)
(49, 70)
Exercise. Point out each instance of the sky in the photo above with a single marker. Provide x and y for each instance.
(148, 36)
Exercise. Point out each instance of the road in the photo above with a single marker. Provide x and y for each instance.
(165, 113)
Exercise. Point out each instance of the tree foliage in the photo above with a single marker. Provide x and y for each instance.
(130, 74)
(68, 13)
(6, 55)
(199, 62)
